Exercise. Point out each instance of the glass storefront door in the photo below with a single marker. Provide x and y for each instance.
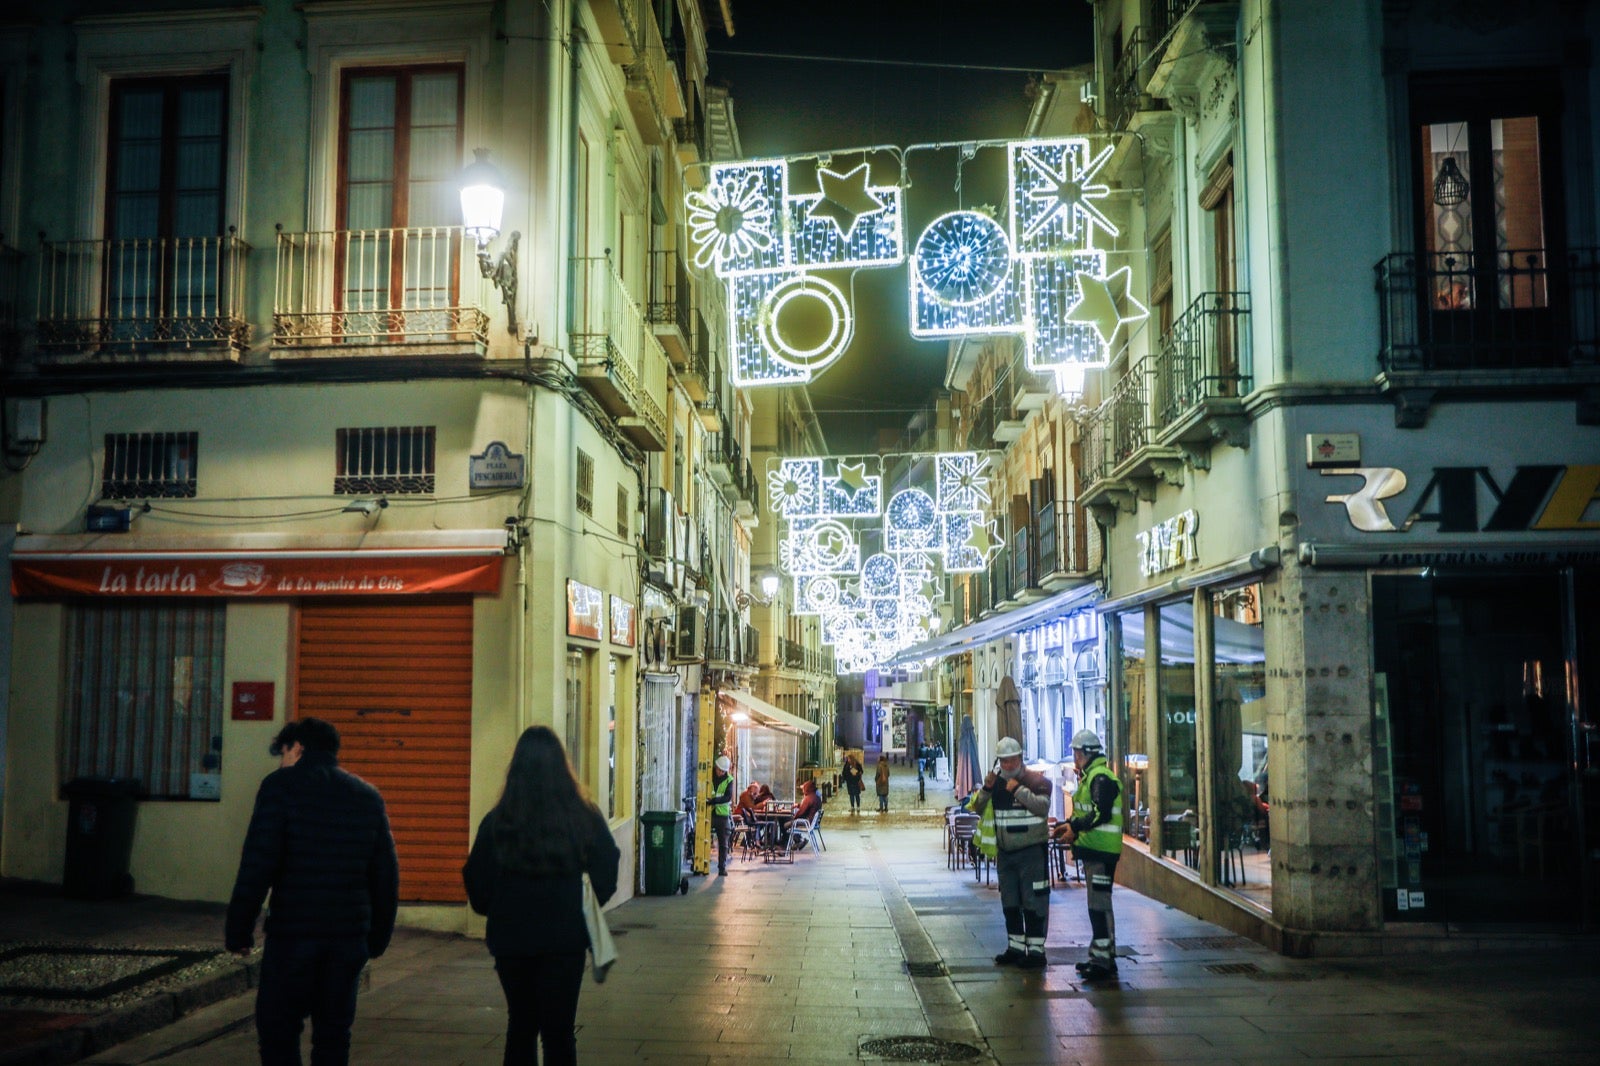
(1474, 749)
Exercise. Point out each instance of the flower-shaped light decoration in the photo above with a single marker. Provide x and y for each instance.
(793, 488)
(962, 483)
(730, 220)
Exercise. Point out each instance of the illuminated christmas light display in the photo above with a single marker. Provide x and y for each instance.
(872, 606)
(1039, 276)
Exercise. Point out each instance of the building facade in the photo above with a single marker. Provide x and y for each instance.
(284, 437)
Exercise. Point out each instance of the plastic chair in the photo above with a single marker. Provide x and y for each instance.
(800, 831)
(963, 828)
(816, 832)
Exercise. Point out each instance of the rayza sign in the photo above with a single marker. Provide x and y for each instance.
(1473, 499)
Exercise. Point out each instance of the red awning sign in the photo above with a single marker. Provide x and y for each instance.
(254, 576)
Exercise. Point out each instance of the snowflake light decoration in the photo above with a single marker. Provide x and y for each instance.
(734, 221)
(962, 278)
(1053, 194)
(961, 482)
(793, 488)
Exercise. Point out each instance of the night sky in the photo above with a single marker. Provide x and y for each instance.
(786, 106)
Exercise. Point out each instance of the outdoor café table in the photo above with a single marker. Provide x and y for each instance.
(774, 819)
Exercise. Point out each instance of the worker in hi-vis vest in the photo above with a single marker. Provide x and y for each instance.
(1021, 800)
(1095, 833)
(721, 803)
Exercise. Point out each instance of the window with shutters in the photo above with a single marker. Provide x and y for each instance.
(149, 465)
(144, 695)
(624, 521)
(386, 460)
(585, 483)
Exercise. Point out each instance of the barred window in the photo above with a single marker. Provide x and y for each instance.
(149, 464)
(385, 460)
(624, 522)
(144, 690)
(585, 483)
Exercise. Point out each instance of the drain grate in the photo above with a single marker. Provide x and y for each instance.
(925, 969)
(1209, 943)
(762, 978)
(1249, 968)
(920, 1049)
(1277, 975)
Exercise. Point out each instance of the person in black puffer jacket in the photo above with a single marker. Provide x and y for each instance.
(319, 841)
(526, 873)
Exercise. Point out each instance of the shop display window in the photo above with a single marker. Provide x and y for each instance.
(1181, 813)
(1240, 789)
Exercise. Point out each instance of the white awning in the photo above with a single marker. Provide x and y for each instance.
(766, 714)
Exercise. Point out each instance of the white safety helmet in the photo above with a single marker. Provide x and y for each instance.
(1007, 747)
(723, 763)
(1087, 740)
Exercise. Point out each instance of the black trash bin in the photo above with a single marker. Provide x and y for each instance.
(663, 852)
(99, 837)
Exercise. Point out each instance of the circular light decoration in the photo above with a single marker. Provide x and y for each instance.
(963, 257)
(880, 576)
(786, 301)
(821, 594)
(911, 523)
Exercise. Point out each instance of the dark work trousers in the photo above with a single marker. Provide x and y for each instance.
(541, 1006)
(720, 826)
(308, 977)
(1100, 873)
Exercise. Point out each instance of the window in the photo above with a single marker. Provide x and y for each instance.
(1161, 282)
(585, 483)
(144, 693)
(624, 521)
(149, 464)
(677, 465)
(400, 151)
(1217, 198)
(393, 460)
(166, 264)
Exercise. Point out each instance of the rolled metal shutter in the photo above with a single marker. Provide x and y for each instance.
(395, 677)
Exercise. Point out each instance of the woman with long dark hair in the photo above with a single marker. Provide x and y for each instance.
(526, 873)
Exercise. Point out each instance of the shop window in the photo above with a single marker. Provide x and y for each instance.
(384, 460)
(144, 465)
(1240, 787)
(577, 713)
(144, 696)
(1181, 815)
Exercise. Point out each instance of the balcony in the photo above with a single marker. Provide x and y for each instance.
(619, 360)
(1023, 561)
(1126, 95)
(695, 375)
(1189, 37)
(1518, 314)
(1062, 534)
(791, 654)
(1119, 463)
(178, 298)
(750, 646)
(10, 293)
(722, 638)
(413, 292)
(999, 580)
(653, 87)
(1197, 384)
(668, 308)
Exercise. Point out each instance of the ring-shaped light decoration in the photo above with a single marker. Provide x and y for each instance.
(819, 594)
(880, 576)
(826, 547)
(841, 326)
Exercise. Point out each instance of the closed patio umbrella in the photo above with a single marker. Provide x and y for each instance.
(967, 775)
(1008, 709)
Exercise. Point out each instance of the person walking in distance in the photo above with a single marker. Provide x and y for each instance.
(880, 778)
(853, 782)
(319, 841)
(525, 872)
(1021, 800)
(720, 804)
(1095, 833)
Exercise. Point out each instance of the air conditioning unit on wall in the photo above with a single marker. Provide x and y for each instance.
(689, 636)
(658, 640)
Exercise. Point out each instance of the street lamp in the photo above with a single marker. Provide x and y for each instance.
(483, 201)
(769, 583)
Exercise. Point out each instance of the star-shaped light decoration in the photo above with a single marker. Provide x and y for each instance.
(983, 538)
(845, 198)
(853, 477)
(1098, 303)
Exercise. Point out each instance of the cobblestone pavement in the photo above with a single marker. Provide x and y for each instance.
(810, 961)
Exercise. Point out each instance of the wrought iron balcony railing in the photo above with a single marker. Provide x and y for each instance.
(1200, 356)
(619, 358)
(383, 288)
(669, 291)
(1118, 428)
(1128, 78)
(1511, 311)
(143, 293)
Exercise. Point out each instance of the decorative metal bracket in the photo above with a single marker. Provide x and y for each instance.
(502, 274)
(1411, 407)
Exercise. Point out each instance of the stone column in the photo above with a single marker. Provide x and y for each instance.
(1324, 872)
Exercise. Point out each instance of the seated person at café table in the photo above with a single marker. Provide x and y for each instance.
(809, 807)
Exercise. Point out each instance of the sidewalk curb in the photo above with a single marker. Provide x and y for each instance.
(114, 1027)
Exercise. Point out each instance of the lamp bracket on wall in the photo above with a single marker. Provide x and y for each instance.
(502, 274)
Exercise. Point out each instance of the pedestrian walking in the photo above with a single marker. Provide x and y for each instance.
(525, 872)
(1020, 799)
(720, 803)
(1095, 833)
(319, 842)
(880, 778)
(854, 782)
